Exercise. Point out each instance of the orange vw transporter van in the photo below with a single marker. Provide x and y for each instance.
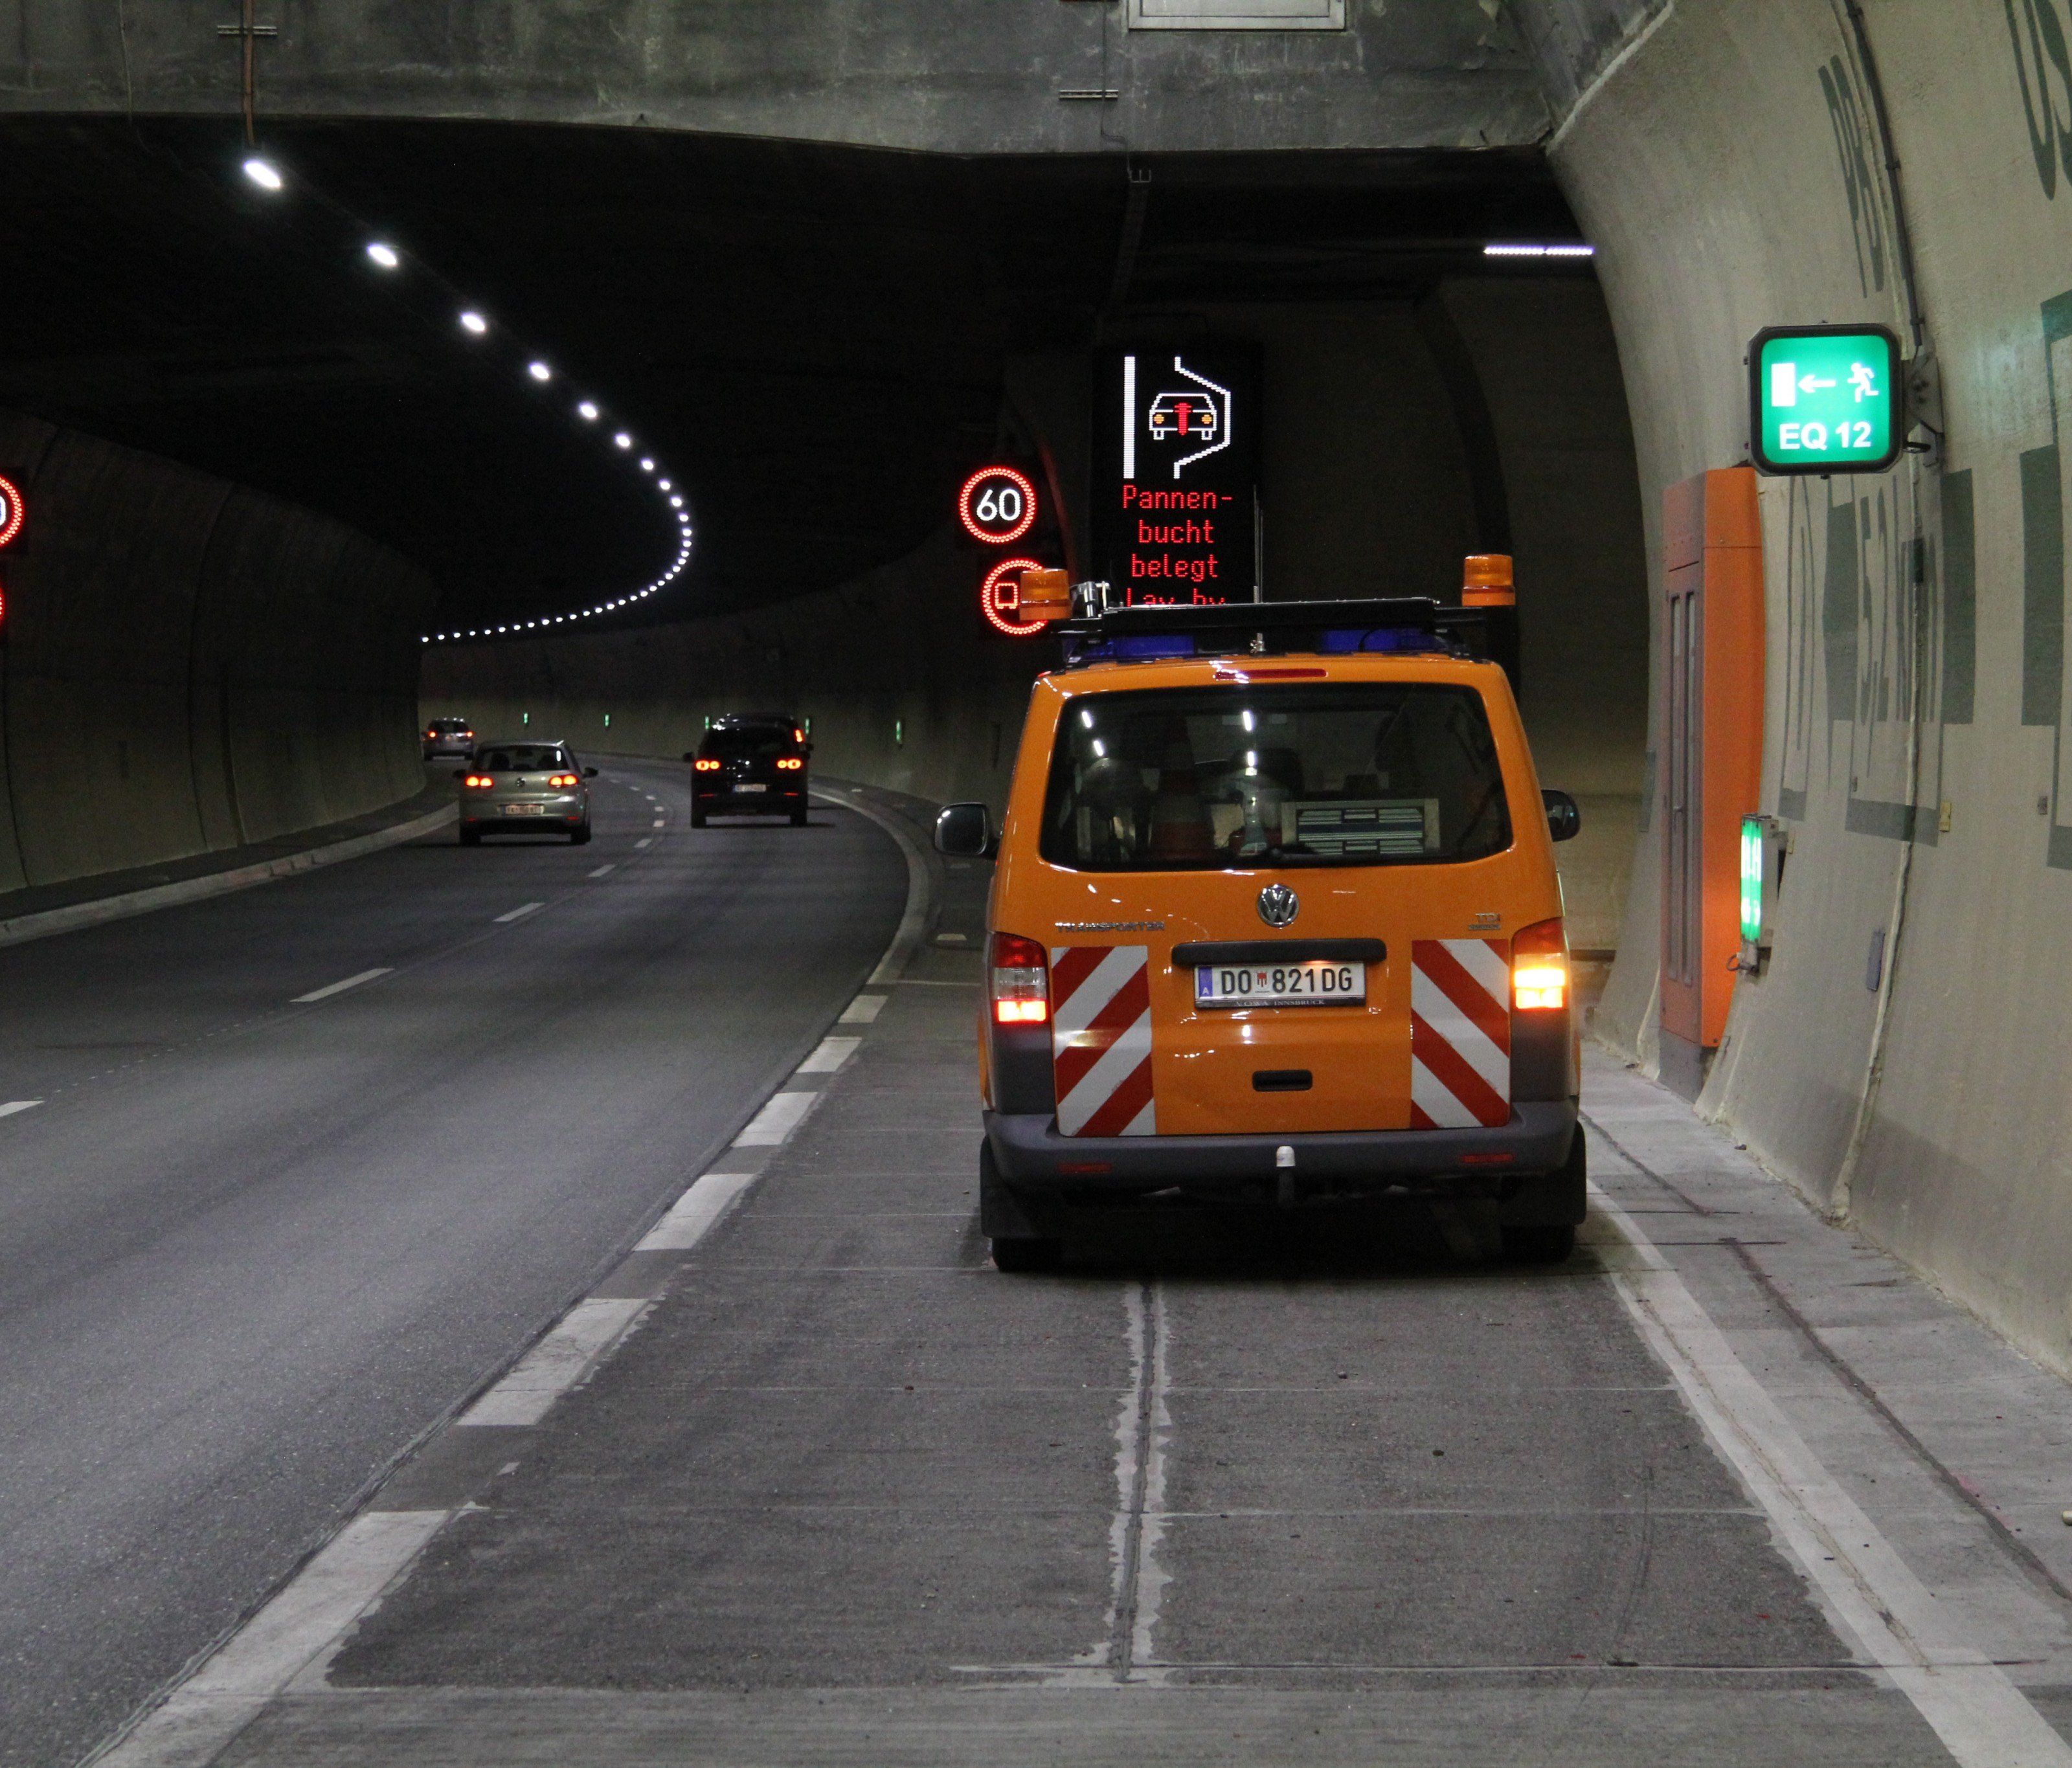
(1275, 917)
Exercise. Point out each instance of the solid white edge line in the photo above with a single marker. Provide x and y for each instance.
(908, 938)
(295, 1632)
(1983, 1720)
(520, 912)
(339, 988)
(13, 1105)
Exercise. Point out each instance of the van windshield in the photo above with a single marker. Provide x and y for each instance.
(1197, 779)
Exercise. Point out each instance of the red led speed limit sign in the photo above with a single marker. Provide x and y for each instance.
(10, 511)
(997, 505)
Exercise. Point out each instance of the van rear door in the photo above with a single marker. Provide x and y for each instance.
(1301, 859)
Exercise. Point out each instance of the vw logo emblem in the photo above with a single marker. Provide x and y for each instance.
(1278, 905)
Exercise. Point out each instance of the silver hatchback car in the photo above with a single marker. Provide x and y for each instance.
(524, 788)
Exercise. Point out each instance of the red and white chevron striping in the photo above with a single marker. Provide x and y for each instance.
(1460, 1033)
(1100, 1039)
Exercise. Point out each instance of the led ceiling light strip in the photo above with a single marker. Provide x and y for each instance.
(269, 178)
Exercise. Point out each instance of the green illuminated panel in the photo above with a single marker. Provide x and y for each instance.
(1826, 399)
(1751, 878)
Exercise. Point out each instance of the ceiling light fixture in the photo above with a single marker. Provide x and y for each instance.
(539, 370)
(262, 173)
(587, 411)
(383, 255)
(472, 321)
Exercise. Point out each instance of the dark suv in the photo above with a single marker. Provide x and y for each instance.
(753, 766)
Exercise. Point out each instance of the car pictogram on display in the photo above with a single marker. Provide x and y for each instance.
(1190, 415)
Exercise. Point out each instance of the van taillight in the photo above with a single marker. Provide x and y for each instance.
(1540, 968)
(1021, 981)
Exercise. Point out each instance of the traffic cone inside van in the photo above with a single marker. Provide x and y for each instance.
(1179, 819)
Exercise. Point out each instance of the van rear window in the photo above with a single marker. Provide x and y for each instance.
(1198, 780)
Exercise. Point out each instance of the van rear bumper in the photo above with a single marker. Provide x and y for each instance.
(1036, 1161)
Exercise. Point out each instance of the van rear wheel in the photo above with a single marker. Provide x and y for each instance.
(1016, 1256)
(1538, 1245)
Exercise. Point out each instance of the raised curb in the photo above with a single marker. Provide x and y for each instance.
(76, 916)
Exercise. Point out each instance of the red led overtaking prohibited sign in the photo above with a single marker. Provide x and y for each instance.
(10, 511)
(997, 505)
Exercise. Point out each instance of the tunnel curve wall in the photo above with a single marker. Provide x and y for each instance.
(187, 665)
(1902, 1058)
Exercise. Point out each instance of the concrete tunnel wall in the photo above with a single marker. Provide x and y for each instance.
(1728, 166)
(1369, 490)
(188, 666)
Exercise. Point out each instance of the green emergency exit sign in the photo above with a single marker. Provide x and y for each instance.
(1826, 399)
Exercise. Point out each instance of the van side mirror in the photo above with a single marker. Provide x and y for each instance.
(964, 831)
(1565, 822)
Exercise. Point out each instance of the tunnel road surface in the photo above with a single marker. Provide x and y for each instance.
(1250, 1494)
(288, 1174)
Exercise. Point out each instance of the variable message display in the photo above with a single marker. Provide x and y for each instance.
(1826, 399)
(1176, 472)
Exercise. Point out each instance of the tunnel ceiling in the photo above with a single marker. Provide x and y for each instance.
(812, 338)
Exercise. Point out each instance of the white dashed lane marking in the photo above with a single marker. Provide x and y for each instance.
(586, 1334)
(864, 1010)
(832, 1053)
(13, 1105)
(339, 988)
(644, 840)
(602, 870)
(781, 1114)
(694, 1214)
(521, 911)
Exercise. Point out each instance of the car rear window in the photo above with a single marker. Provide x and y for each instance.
(764, 744)
(521, 757)
(1198, 780)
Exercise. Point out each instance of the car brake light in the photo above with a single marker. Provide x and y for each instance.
(1540, 968)
(790, 763)
(561, 779)
(705, 764)
(1021, 981)
(478, 779)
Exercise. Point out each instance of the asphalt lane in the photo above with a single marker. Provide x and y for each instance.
(251, 1249)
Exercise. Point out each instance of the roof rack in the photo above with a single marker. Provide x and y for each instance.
(1099, 633)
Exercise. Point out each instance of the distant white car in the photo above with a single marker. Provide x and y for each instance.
(448, 737)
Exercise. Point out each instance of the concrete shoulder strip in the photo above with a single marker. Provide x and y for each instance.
(1983, 1720)
(76, 916)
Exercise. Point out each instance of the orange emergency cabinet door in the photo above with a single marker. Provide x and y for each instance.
(1710, 749)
